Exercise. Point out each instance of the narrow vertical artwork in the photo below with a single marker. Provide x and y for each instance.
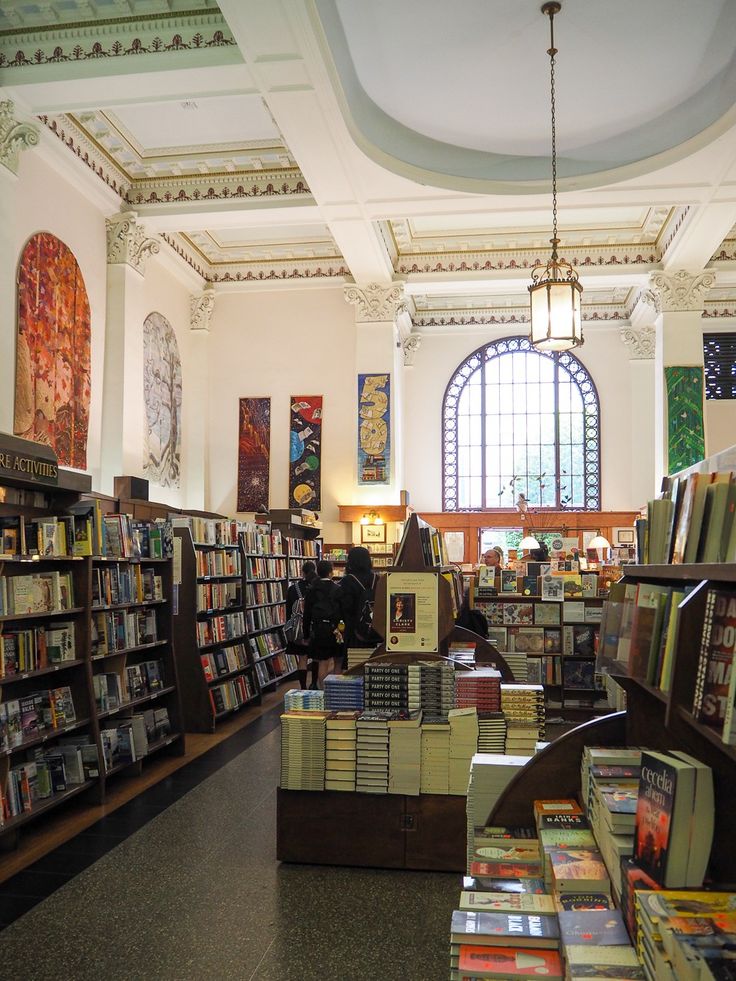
(305, 452)
(162, 395)
(374, 429)
(52, 372)
(254, 454)
(685, 427)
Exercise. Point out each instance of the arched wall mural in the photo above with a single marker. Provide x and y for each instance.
(52, 374)
(162, 395)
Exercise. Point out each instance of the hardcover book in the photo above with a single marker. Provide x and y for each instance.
(502, 929)
(717, 649)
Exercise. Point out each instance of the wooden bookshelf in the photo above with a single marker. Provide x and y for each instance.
(653, 719)
(218, 676)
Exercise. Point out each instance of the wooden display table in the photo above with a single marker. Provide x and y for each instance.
(388, 831)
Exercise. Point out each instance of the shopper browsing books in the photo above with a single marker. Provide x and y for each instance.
(492, 558)
(297, 643)
(321, 618)
(357, 590)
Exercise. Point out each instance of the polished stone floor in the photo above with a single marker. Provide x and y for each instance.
(196, 893)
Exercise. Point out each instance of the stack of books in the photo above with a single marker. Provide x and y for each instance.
(386, 687)
(340, 751)
(504, 945)
(371, 775)
(295, 699)
(489, 776)
(613, 790)
(358, 655)
(595, 937)
(405, 754)
(343, 692)
(491, 732)
(432, 687)
(523, 706)
(435, 775)
(303, 750)
(519, 665)
(463, 747)
(481, 688)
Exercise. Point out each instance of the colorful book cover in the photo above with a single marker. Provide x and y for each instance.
(717, 651)
(505, 902)
(505, 962)
(664, 809)
(583, 901)
(522, 929)
(593, 927)
(506, 870)
(510, 886)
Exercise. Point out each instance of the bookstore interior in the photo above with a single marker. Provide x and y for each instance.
(454, 635)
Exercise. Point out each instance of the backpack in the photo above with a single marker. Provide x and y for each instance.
(294, 626)
(363, 630)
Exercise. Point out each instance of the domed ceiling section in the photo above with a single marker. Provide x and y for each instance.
(457, 95)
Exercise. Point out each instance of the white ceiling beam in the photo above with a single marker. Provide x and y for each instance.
(194, 216)
(510, 281)
(699, 236)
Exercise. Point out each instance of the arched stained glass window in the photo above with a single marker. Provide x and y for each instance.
(517, 421)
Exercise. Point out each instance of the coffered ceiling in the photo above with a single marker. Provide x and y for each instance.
(394, 140)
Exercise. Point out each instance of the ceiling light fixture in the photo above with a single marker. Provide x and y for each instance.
(529, 542)
(556, 323)
(599, 541)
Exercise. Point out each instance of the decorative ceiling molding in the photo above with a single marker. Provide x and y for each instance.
(673, 228)
(411, 345)
(128, 243)
(25, 15)
(375, 303)
(485, 261)
(216, 253)
(201, 308)
(76, 141)
(640, 341)
(713, 313)
(15, 137)
(679, 292)
(175, 243)
(137, 39)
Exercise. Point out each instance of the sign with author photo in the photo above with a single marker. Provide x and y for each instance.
(305, 452)
(412, 611)
(374, 429)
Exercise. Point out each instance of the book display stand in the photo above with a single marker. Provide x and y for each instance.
(389, 830)
(655, 719)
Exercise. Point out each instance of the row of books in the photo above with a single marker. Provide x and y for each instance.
(264, 592)
(305, 548)
(261, 540)
(119, 630)
(119, 536)
(25, 718)
(266, 644)
(131, 738)
(50, 772)
(40, 592)
(273, 668)
(545, 580)
(259, 568)
(35, 648)
(211, 531)
(217, 595)
(502, 613)
(223, 661)
(228, 626)
(113, 690)
(581, 639)
(262, 617)
(232, 694)
(125, 584)
(218, 562)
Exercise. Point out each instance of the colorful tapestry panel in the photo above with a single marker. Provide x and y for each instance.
(305, 452)
(374, 429)
(254, 454)
(162, 396)
(52, 370)
(685, 428)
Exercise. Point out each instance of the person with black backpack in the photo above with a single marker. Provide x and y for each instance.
(321, 619)
(357, 592)
(296, 642)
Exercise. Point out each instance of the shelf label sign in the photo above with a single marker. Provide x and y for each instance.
(374, 429)
(23, 465)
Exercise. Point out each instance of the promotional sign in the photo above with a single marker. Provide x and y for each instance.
(412, 617)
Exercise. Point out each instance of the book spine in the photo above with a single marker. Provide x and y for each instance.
(704, 648)
(729, 721)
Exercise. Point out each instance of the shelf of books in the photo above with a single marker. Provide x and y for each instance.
(266, 566)
(548, 626)
(216, 666)
(381, 557)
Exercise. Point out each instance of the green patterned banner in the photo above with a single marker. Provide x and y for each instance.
(685, 427)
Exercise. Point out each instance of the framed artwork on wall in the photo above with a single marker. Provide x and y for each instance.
(373, 533)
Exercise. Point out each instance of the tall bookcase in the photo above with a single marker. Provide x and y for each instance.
(217, 670)
(266, 584)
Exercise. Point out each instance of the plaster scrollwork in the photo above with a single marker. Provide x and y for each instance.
(680, 291)
(640, 341)
(375, 303)
(411, 346)
(201, 308)
(128, 243)
(14, 137)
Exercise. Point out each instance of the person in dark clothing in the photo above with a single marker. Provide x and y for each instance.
(356, 586)
(321, 619)
(298, 645)
(471, 619)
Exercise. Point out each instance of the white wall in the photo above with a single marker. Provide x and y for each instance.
(279, 344)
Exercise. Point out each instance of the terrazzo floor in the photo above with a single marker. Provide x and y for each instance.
(197, 893)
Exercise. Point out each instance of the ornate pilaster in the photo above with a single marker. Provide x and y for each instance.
(127, 242)
(411, 345)
(14, 137)
(201, 308)
(680, 292)
(641, 342)
(375, 303)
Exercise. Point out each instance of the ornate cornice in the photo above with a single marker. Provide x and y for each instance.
(485, 261)
(411, 345)
(201, 308)
(117, 38)
(127, 242)
(375, 303)
(678, 292)
(679, 218)
(14, 136)
(489, 316)
(184, 253)
(75, 140)
(727, 313)
(268, 273)
(640, 341)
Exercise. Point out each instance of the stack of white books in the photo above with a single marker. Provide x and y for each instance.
(518, 664)
(491, 732)
(371, 776)
(405, 754)
(303, 750)
(463, 747)
(340, 751)
(490, 774)
(435, 778)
